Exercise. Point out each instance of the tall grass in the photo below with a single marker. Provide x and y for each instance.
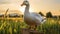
(10, 26)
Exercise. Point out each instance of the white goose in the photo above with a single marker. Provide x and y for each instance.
(32, 19)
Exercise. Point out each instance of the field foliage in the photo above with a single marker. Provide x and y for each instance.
(13, 26)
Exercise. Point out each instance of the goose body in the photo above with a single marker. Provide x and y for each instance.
(31, 18)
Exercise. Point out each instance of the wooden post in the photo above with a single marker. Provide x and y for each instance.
(26, 31)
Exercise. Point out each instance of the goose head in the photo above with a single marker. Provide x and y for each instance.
(26, 3)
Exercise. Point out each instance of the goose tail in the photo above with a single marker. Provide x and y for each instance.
(43, 21)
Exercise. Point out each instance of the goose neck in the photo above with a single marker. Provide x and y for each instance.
(27, 9)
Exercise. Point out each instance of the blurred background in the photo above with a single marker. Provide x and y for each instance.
(11, 16)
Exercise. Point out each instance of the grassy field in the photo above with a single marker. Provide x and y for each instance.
(14, 25)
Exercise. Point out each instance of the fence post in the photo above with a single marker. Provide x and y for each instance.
(26, 31)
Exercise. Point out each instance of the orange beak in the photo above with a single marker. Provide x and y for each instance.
(21, 4)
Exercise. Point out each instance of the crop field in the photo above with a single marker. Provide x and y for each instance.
(14, 25)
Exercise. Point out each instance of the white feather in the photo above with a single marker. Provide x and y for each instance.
(32, 18)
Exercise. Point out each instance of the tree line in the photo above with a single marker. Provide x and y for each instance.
(49, 15)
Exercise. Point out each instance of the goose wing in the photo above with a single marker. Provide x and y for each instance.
(37, 16)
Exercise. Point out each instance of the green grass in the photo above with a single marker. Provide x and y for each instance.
(9, 26)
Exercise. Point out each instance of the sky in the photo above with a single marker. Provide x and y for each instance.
(35, 5)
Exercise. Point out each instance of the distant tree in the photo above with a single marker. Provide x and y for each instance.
(22, 15)
(49, 15)
(55, 16)
(59, 17)
(41, 13)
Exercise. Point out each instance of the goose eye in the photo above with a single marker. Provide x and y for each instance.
(26, 1)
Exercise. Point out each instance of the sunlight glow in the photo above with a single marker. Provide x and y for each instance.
(22, 9)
